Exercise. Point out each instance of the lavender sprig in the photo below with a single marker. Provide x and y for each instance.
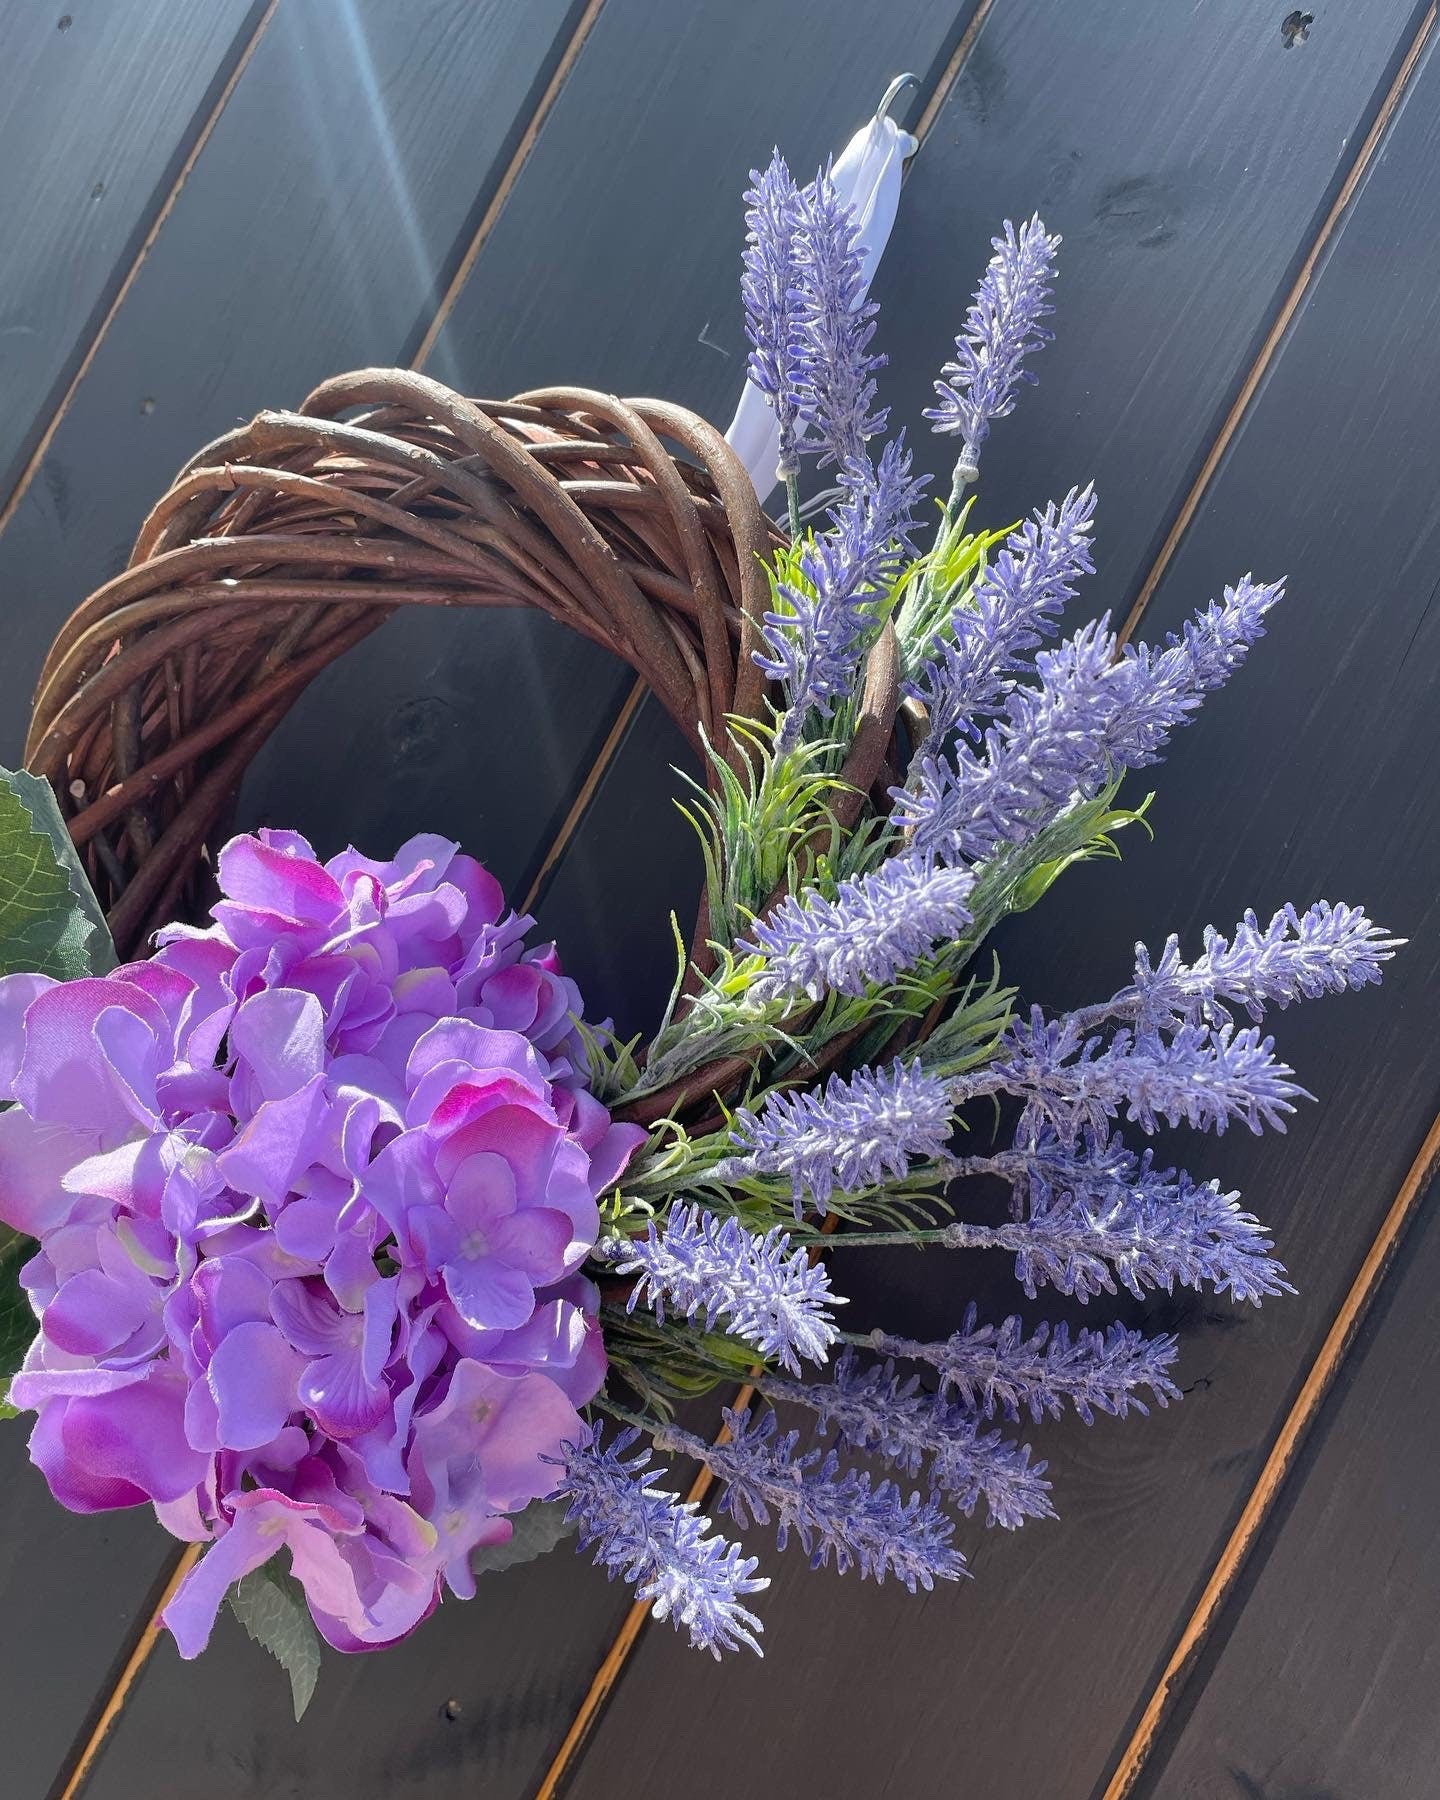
(1324, 950)
(1091, 1212)
(770, 291)
(1012, 609)
(836, 372)
(1002, 328)
(770, 1295)
(661, 1545)
(1201, 1077)
(814, 637)
(853, 1134)
(875, 1410)
(1090, 716)
(878, 925)
(998, 1369)
(834, 1513)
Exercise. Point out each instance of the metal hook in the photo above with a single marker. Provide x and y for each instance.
(892, 93)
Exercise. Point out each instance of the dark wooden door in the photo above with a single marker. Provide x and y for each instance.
(205, 209)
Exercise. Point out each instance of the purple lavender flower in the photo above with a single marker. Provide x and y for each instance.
(1296, 956)
(1002, 328)
(999, 1369)
(1031, 762)
(1090, 717)
(878, 925)
(313, 1188)
(833, 1512)
(1154, 691)
(850, 1136)
(770, 1295)
(1202, 1077)
(873, 1409)
(1013, 609)
(836, 375)
(815, 636)
(661, 1545)
(1089, 1212)
(770, 290)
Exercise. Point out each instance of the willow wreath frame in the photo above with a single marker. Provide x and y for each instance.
(283, 544)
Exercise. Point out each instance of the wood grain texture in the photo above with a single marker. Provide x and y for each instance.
(1025, 1681)
(99, 103)
(1324, 1683)
(1318, 1678)
(426, 731)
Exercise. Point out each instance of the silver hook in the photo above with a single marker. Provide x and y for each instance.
(892, 93)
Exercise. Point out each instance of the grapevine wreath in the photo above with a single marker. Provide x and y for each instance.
(345, 1242)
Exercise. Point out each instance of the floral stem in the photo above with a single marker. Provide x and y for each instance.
(792, 500)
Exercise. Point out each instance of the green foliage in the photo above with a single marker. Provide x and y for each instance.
(17, 1321)
(663, 1363)
(271, 1606)
(50, 924)
(935, 585)
(50, 921)
(754, 829)
(538, 1530)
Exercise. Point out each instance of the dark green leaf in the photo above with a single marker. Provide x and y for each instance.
(271, 1606)
(50, 920)
(537, 1531)
(17, 1322)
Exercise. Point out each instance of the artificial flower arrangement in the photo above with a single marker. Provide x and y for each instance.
(344, 1235)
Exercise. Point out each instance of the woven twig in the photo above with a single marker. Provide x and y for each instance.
(284, 543)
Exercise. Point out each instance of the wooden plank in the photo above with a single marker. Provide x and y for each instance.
(1322, 1679)
(99, 105)
(356, 760)
(354, 138)
(1024, 1681)
(1316, 1676)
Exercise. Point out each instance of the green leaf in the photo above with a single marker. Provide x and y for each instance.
(271, 1606)
(537, 1531)
(50, 920)
(18, 1324)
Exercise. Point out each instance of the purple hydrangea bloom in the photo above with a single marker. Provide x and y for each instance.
(772, 1296)
(1002, 328)
(999, 1369)
(312, 1188)
(835, 1512)
(853, 1134)
(878, 925)
(1296, 956)
(873, 1409)
(661, 1545)
(1092, 1212)
(770, 291)
(1012, 609)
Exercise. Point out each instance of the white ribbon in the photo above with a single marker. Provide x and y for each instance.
(867, 177)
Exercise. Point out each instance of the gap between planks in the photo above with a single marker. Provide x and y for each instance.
(1382, 1251)
(89, 1753)
(167, 206)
